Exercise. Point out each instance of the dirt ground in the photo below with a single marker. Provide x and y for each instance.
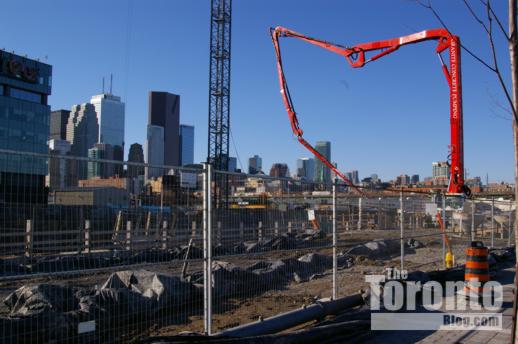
(236, 311)
(349, 281)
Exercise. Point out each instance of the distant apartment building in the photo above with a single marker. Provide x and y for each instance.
(255, 164)
(440, 173)
(499, 188)
(186, 144)
(135, 154)
(25, 85)
(58, 124)
(403, 179)
(322, 172)
(306, 169)
(414, 179)
(475, 184)
(115, 182)
(279, 170)
(164, 112)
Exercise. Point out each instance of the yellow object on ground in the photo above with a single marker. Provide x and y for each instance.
(449, 259)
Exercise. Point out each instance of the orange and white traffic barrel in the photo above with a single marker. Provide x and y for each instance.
(477, 268)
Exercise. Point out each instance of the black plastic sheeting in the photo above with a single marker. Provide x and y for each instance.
(140, 299)
(231, 280)
(383, 249)
(51, 313)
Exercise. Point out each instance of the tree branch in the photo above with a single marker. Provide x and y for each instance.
(438, 17)
(502, 29)
(495, 60)
(474, 15)
(498, 105)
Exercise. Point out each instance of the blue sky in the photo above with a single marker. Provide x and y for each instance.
(390, 117)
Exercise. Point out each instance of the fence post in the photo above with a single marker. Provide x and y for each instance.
(219, 236)
(379, 214)
(335, 262)
(193, 229)
(260, 231)
(443, 215)
(493, 222)
(28, 238)
(289, 227)
(276, 229)
(87, 236)
(117, 227)
(473, 208)
(148, 224)
(207, 248)
(164, 235)
(461, 224)
(359, 213)
(401, 227)
(128, 235)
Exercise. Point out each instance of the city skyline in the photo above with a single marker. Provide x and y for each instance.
(332, 85)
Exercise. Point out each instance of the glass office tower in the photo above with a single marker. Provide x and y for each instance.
(25, 85)
(186, 144)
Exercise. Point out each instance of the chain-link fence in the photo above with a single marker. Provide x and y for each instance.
(100, 251)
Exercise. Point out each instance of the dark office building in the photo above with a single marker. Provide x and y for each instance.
(58, 124)
(279, 170)
(164, 111)
(25, 85)
(136, 154)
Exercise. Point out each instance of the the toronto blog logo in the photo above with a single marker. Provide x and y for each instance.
(400, 302)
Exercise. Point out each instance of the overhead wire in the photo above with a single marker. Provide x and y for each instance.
(235, 148)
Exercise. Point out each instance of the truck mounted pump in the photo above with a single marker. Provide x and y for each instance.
(357, 57)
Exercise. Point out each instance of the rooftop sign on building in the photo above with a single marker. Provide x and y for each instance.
(17, 68)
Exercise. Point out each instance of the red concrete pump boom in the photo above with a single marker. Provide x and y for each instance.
(357, 57)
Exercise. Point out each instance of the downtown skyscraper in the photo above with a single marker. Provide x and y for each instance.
(110, 113)
(322, 172)
(82, 133)
(186, 144)
(255, 164)
(306, 169)
(58, 124)
(164, 112)
(135, 154)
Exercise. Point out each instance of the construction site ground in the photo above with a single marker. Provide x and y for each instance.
(244, 309)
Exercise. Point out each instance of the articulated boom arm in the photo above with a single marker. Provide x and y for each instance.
(357, 57)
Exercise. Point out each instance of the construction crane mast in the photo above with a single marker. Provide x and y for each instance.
(219, 84)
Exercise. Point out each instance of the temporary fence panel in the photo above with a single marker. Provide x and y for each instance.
(95, 250)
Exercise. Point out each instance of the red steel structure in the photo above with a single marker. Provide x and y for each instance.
(357, 57)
